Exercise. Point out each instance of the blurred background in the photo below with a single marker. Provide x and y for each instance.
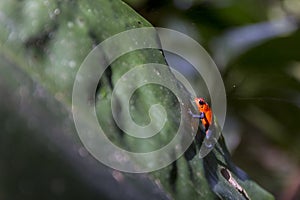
(256, 46)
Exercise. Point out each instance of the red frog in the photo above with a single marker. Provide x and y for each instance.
(205, 113)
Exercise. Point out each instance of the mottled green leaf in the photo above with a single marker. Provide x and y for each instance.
(43, 44)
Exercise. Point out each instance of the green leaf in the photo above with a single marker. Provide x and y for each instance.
(42, 47)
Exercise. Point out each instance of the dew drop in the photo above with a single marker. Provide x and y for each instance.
(157, 72)
(72, 63)
(70, 24)
(57, 11)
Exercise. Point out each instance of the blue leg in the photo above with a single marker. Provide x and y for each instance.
(201, 116)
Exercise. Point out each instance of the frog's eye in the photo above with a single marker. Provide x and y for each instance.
(201, 102)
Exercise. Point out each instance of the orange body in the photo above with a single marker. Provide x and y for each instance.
(204, 108)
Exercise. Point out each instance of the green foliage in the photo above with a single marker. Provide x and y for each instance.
(43, 44)
(255, 44)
